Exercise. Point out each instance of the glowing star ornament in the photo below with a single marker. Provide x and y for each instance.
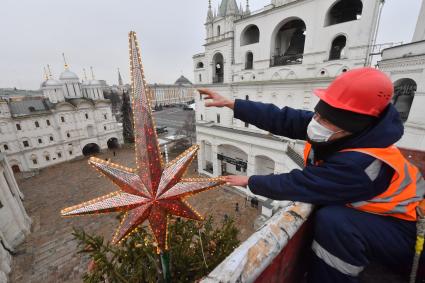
(152, 191)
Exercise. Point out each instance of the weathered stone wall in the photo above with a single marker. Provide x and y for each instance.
(14, 221)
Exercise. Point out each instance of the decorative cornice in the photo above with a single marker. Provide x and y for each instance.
(408, 71)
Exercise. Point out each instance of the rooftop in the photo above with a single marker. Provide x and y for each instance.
(182, 81)
(11, 92)
(24, 107)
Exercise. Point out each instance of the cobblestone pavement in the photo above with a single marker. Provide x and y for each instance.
(49, 252)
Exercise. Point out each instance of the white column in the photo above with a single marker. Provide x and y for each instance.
(5, 259)
(251, 170)
(201, 156)
(215, 161)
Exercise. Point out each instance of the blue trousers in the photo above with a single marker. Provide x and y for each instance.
(347, 240)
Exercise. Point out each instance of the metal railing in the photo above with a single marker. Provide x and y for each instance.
(295, 156)
(281, 60)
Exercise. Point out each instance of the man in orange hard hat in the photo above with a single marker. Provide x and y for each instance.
(367, 192)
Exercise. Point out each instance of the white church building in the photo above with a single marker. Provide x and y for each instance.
(276, 55)
(70, 119)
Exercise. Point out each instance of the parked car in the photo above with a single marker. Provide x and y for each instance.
(161, 130)
(189, 107)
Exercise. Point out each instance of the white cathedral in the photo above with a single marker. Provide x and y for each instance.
(70, 119)
(278, 55)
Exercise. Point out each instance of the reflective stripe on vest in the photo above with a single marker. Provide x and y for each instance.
(406, 190)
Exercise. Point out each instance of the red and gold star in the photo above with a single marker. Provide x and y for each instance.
(152, 191)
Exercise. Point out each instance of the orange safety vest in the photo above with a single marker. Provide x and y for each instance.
(406, 190)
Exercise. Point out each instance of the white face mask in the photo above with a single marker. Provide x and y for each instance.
(319, 133)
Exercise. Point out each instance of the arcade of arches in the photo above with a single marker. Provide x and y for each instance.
(90, 149)
(113, 143)
(230, 160)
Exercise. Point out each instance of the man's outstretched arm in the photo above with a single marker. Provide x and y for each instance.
(286, 122)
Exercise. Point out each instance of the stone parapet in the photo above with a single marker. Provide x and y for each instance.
(258, 253)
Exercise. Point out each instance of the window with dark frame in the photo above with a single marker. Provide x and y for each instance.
(40, 141)
(48, 122)
(18, 127)
(37, 125)
(63, 119)
(26, 143)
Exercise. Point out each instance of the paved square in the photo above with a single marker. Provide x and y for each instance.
(49, 252)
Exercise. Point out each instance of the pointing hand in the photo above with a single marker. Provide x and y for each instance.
(234, 180)
(216, 99)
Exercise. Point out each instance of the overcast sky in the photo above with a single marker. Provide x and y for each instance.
(34, 33)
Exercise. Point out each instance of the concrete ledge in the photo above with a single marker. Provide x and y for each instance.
(254, 255)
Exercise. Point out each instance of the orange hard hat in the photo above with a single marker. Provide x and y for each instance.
(365, 91)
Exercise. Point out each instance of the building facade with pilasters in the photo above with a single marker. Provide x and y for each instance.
(276, 55)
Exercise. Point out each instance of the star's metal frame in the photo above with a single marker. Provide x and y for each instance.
(152, 191)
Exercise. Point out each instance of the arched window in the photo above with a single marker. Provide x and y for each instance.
(249, 61)
(404, 92)
(289, 42)
(200, 65)
(218, 30)
(16, 169)
(338, 48)
(31, 109)
(250, 35)
(344, 11)
(218, 68)
(34, 159)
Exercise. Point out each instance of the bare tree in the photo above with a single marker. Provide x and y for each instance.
(189, 128)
